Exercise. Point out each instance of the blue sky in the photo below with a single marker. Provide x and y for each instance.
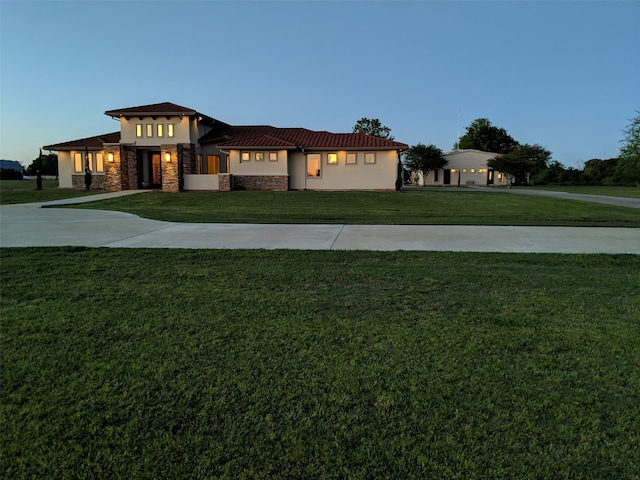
(564, 74)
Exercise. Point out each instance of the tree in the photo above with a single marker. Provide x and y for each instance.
(628, 168)
(47, 164)
(373, 127)
(424, 158)
(481, 135)
(524, 161)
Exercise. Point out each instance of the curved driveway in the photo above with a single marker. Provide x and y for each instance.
(29, 225)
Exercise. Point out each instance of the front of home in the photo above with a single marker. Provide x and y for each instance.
(172, 148)
(464, 168)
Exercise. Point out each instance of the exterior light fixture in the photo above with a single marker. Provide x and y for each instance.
(110, 157)
(167, 157)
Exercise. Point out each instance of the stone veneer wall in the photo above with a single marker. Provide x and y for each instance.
(170, 180)
(129, 168)
(187, 159)
(224, 182)
(97, 182)
(261, 182)
(112, 170)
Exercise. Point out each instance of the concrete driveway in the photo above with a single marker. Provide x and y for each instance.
(28, 225)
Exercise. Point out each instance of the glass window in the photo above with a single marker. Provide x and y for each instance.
(99, 163)
(473, 170)
(149, 130)
(332, 158)
(259, 157)
(314, 165)
(464, 170)
(351, 158)
(170, 130)
(370, 157)
(139, 130)
(160, 130)
(244, 157)
(199, 164)
(273, 156)
(77, 162)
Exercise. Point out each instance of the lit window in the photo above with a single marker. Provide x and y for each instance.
(313, 165)
(77, 162)
(139, 130)
(149, 130)
(351, 159)
(273, 156)
(332, 158)
(244, 157)
(160, 130)
(259, 157)
(464, 170)
(500, 177)
(473, 170)
(99, 163)
(170, 130)
(370, 157)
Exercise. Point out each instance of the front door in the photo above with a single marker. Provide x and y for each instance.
(149, 169)
(447, 176)
(156, 170)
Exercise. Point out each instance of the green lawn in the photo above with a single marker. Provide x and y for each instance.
(433, 206)
(24, 191)
(631, 192)
(299, 364)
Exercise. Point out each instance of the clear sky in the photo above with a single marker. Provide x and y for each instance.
(564, 74)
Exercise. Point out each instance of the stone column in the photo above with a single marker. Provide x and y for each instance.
(170, 181)
(112, 170)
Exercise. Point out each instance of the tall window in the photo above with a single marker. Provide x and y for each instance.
(314, 161)
(159, 130)
(99, 163)
(149, 130)
(170, 130)
(77, 162)
(139, 130)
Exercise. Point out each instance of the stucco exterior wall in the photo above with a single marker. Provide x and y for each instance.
(380, 175)
(65, 170)
(201, 182)
(255, 167)
(183, 128)
(469, 165)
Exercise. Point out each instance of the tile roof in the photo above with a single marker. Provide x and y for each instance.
(92, 143)
(258, 136)
(164, 108)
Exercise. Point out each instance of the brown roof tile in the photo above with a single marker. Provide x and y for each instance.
(92, 143)
(263, 136)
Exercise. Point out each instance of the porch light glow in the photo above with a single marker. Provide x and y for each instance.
(110, 157)
(167, 157)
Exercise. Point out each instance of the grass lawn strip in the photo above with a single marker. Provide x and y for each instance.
(297, 364)
(411, 207)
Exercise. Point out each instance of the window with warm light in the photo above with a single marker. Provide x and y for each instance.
(160, 130)
(149, 130)
(332, 158)
(352, 159)
(139, 130)
(473, 170)
(170, 130)
(370, 157)
(273, 156)
(77, 162)
(245, 157)
(314, 161)
(99, 162)
(259, 157)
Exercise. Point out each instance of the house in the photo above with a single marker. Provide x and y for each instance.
(11, 170)
(464, 167)
(173, 148)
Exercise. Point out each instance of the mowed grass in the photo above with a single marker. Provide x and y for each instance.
(631, 192)
(302, 364)
(411, 207)
(24, 191)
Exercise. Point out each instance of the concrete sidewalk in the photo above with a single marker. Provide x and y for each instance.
(28, 225)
